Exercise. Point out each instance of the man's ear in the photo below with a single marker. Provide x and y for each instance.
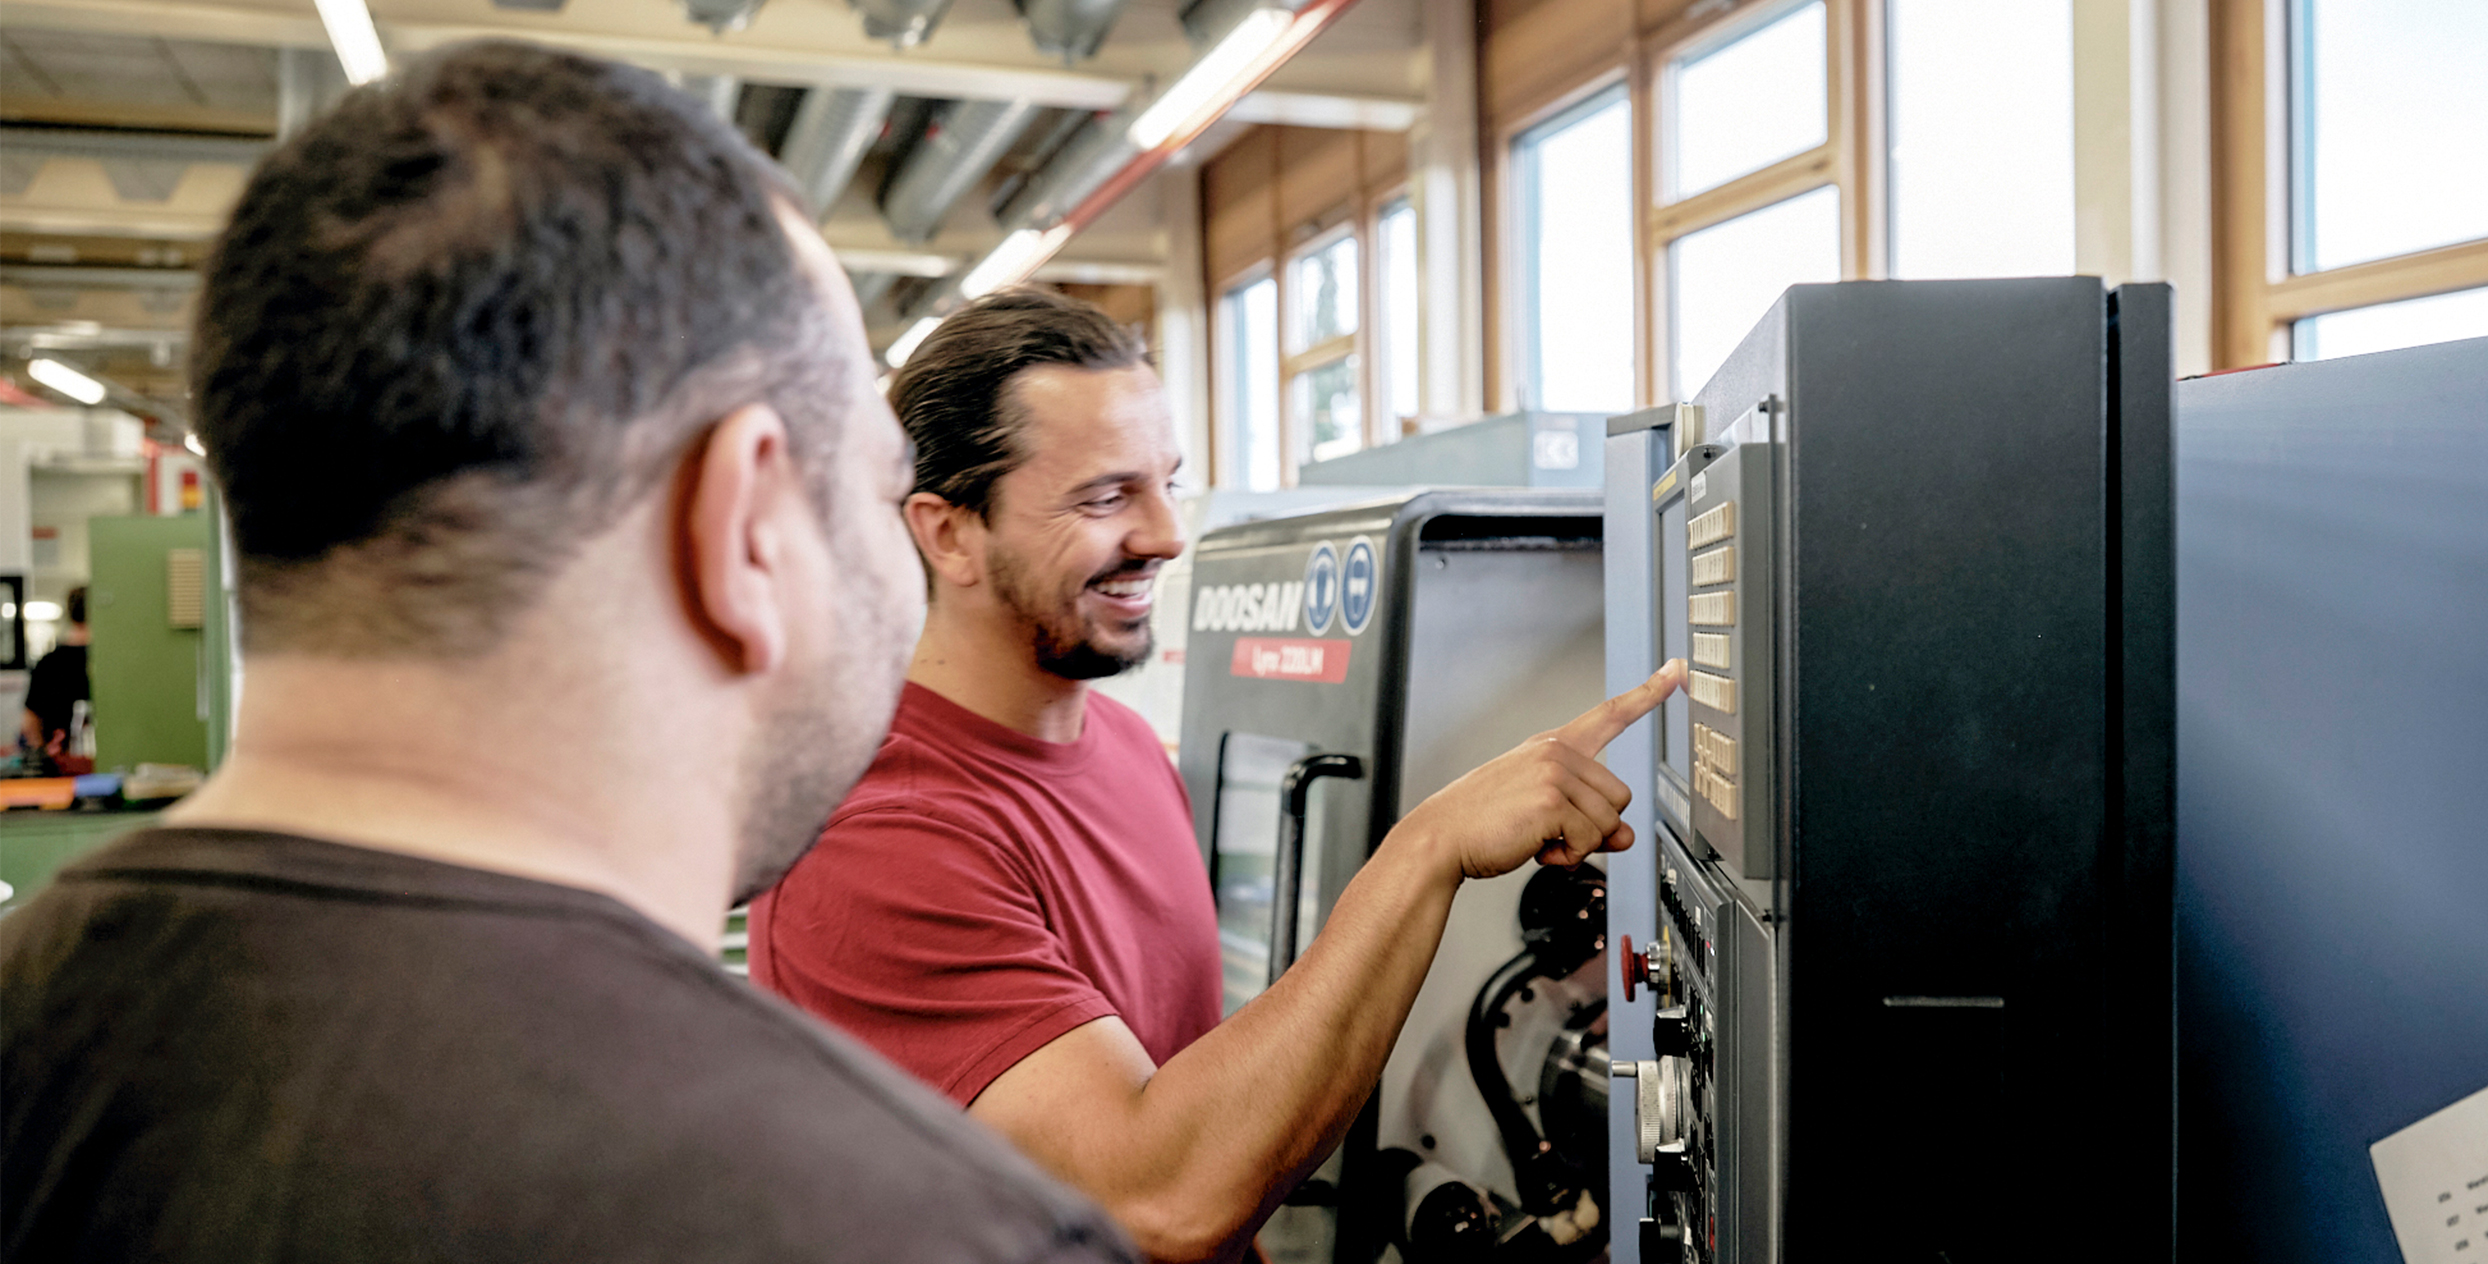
(743, 501)
(951, 539)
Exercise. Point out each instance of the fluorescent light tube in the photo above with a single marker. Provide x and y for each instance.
(1012, 261)
(909, 341)
(1214, 74)
(356, 40)
(67, 381)
(191, 441)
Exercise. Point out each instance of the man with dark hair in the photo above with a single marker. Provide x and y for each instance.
(1036, 938)
(57, 685)
(573, 600)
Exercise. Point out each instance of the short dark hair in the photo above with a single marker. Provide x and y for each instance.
(953, 394)
(462, 322)
(77, 605)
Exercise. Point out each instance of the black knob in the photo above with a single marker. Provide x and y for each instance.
(1671, 1035)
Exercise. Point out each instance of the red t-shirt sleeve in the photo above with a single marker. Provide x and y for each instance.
(925, 938)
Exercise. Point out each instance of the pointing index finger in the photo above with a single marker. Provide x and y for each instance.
(1590, 731)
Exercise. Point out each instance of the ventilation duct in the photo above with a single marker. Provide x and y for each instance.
(905, 23)
(1088, 160)
(718, 92)
(721, 16)
(1069, 29)
(959, 146)
(832, 130)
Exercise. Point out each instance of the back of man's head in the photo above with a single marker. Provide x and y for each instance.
(462, 322)
(954, 392)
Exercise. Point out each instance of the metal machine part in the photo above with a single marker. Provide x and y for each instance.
(1912, 816)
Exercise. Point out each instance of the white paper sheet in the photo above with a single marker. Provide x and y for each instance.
(2435, 1179)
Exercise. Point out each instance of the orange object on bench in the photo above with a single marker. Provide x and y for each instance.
(48, 793)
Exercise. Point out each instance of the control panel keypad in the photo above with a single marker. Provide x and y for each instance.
(1727, 551)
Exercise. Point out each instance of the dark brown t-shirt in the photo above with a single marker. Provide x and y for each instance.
(229, 1045)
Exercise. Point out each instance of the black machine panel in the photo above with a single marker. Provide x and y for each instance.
(1911, 895)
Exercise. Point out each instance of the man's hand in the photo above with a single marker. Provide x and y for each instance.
(1548, 797)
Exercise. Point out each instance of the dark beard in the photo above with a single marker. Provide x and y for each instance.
(1081, 660)
(1062, 645)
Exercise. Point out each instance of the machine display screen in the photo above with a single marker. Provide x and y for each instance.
(1676, 733)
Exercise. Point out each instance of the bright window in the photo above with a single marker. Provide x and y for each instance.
(1981, 128)
(1323, 294)
(2387, 326)
(1396, 259)
(1330, 418)
(1741, 106)
(2389, 123)
(1575, 185)
(1249, 314)
(1727, 275)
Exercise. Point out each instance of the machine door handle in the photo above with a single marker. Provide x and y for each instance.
(1287, 867)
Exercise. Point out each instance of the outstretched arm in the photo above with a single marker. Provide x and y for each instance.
(1192, 1156)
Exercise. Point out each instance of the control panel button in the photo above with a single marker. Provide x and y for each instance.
(1711, 649)
(1716, 692)
(1715, 567)
(1715, 748)
(1712, 526)
(1716, 609)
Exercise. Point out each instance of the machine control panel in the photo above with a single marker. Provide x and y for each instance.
(1714, 581)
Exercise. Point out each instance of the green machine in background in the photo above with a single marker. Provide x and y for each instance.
(162, 656)
(162, 666)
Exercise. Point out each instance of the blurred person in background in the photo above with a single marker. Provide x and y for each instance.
(54, 690)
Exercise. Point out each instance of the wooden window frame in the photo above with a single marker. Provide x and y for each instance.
(1346, 223)
(2259, 297)
(1849, 159)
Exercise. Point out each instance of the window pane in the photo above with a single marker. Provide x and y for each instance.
(1399, 308)
(1330, 418)
(2411, 323)
(2390, 112)
(1577, 283)
(1252, 317)
(1324, 290)
(1748, 104)
(1726, 276)
(1982, 138)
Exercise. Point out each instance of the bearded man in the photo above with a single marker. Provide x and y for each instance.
(1011, 904)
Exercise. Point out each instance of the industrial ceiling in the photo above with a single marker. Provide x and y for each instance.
(924, 131)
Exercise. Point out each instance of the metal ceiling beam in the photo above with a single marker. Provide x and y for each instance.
(912, 74)
(110, 145)
(72, 276)
(695, 52)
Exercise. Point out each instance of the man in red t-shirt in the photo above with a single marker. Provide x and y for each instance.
(1011, 904)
